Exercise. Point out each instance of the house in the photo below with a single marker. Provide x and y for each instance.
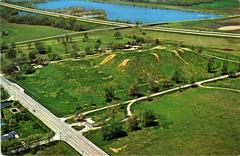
(9, 135)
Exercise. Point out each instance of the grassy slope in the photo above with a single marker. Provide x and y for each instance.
(22, 32)
(193, 122)
(58, 149)
(60, 86)
(208, 25)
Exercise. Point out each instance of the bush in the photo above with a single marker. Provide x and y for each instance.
(28, 69)
(133, 123)
(113, 130)
(147, 118)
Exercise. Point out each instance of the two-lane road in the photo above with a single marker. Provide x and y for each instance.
(68, 134)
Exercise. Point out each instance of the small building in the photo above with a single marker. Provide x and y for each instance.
(9, 135)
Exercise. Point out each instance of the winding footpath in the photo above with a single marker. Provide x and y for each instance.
(129, 103)
(219, 88)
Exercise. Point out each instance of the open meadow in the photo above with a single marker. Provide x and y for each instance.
(194, 122)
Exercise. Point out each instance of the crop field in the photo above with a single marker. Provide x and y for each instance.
(193, 122)
(209, 25)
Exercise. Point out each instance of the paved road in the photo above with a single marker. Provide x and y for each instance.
(68, 134)
(193, 32)
(54, 14)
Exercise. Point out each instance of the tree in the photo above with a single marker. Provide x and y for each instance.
(11, 53)
(109, 94)
(41, 49)
(154, 87)
(4, 94)
(157, 41)
(32, 56)
(178, 77)
(112, 130)
(134, 90)
(138, 23)
(210, 65)
(225, 68)
(21, 58)
(147, 118)
(9, 68)
(133, 123)
(27, 68)
(87, 50)
(117, 34)
(12, 123)
(99, 41)
(85, 37)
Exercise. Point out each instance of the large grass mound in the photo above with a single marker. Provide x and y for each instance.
(64, 86)
(192, 122)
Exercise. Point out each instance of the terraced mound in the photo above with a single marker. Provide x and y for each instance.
(68, 86)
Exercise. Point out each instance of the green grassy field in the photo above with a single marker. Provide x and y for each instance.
(207, 25)
(193, 122)
(223, 45)
(56, 149)
(22, 32)
(62, 86)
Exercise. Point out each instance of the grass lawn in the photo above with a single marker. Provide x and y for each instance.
(207, 25)
(193, 122)
(56, 149)
(22, 32)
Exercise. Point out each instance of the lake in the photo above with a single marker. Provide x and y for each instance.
(128, 13)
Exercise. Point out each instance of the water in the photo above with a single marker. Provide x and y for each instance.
(128, 13)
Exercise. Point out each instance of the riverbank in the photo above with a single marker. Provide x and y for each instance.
(214, 7)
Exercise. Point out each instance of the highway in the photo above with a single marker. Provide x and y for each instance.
(193, 32)
(67, 134)
(54, 14)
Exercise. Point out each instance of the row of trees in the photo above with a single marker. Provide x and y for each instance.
(69, 24)
(114, 128)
